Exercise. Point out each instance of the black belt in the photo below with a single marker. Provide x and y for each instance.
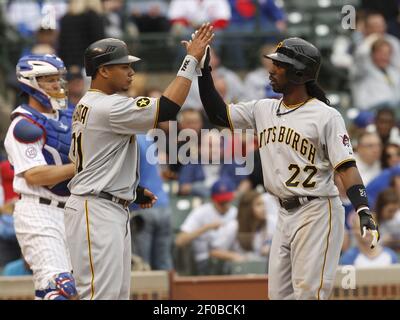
(49, 202)
(108, 196)
(58, 204)
(295, 202)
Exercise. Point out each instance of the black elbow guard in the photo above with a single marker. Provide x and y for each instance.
(167, 109)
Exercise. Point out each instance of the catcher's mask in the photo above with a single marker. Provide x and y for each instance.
(36, 71)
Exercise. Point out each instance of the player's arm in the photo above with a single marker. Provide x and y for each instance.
(214, 105)
(357, 194)
(184, 238)
(29, 160)
(226, 255)
(175, 94)
(340, 153)
(48, 175)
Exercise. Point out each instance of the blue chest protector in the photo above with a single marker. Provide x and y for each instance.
(57, 135)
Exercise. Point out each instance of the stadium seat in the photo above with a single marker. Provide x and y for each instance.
(341, 3)
(330, 18)
(218, 267)
(171, 187)
(296, 17)
(247, 267)
(183, 260)
(181, 207)
(303, 30)
(306, 5)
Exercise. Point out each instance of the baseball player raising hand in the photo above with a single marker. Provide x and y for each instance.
(105, 153)
(302, 143)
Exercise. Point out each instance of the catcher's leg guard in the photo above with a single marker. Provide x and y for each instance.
(62, 287)
(49, 294)
(65, 283)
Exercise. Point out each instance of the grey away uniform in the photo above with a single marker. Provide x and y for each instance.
(299, 152)
(105, 154)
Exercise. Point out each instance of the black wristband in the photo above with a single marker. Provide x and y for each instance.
(357, 196)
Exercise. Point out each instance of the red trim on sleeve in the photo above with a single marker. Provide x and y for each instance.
(220, 24)
(183, 21)
(7, 176)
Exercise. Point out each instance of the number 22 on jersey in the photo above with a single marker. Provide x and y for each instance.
(307, 183)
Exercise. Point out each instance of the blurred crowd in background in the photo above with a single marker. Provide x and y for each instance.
(208, 219)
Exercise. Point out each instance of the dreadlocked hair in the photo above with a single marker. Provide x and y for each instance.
(315, 91)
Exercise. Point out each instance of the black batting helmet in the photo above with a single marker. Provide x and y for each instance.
(303, 58)
(105, 52)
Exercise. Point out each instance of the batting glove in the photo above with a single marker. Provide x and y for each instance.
(367, 222)
(141, 198)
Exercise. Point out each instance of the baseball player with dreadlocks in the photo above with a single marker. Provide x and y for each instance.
(303, 142)
(37, 144)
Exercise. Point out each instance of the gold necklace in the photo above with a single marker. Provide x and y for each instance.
(291, 106)
(295, 107)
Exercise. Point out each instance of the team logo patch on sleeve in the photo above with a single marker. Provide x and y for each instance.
(345, 140)
(31, 152)
(143, 102)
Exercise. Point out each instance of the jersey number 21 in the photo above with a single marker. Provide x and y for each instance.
(77, 150)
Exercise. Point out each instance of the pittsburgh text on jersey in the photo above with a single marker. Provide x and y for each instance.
(289, 137)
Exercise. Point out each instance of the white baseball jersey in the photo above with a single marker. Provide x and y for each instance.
(298, 149)
(104, 148)
(384, 259)
(228, 240)
(39, 227)
(228, 237)
(40, 232)
(25, 156)
(199, 11)
(205, 214)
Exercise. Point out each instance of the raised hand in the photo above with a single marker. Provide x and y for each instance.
(200, 40)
